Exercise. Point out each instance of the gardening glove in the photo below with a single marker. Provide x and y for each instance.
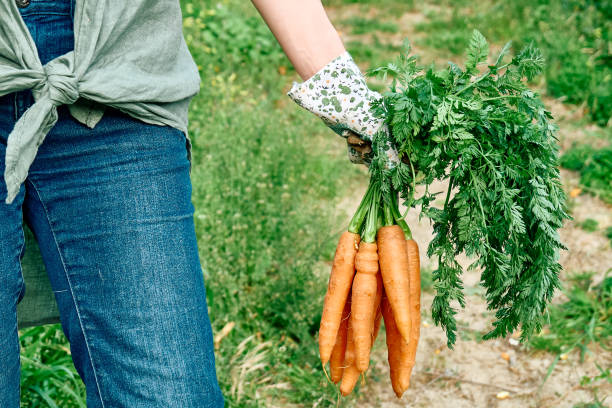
(339, 95)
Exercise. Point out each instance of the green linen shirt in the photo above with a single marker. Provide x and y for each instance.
(128, 55)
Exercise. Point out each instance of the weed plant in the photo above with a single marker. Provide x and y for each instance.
(585, 318)
(581, 322)
(595, 168)
(48, 377)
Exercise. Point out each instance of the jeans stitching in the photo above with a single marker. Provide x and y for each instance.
(20, 267)
(71, 292)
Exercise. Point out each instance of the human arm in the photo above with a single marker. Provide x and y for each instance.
(304, 31)
(312, 44)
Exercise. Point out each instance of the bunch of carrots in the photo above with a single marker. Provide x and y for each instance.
(490, 136)
(375, 275)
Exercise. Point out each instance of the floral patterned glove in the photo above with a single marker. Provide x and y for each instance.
(339, 95)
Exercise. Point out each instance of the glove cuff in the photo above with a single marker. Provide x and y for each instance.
(339, 95)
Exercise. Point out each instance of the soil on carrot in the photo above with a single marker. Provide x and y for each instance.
(495, 373)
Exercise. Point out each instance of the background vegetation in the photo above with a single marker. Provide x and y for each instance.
(267, 178)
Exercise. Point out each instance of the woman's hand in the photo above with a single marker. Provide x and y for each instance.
(339, 95)
(359, 150)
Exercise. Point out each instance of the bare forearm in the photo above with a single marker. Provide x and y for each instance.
(304, 31)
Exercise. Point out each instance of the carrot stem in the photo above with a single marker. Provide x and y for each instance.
(360, 215)
(369, 233)
(389, 219)
(399, 220)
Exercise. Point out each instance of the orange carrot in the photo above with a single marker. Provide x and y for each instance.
(414, 269)
(349, 379)
(377, 321)
(363, 299)
(394, 269)
(350, 375)
(336, 361)
(377, 307)
(340, 282)
(393, 346)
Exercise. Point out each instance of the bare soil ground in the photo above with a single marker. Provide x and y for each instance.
(495, 373)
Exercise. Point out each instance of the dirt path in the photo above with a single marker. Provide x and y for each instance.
(495, 373)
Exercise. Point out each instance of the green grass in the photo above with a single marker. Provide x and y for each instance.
(427, 280)
(48, 377)
(589, 225)
(361, 25)
(597, 403)
(595, 168)
(585, 318)
(574, 36)
(581, 322)
(383, 7)
(374, 53)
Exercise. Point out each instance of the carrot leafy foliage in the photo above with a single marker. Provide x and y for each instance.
(485, 131)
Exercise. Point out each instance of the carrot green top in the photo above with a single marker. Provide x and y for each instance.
(128, 55)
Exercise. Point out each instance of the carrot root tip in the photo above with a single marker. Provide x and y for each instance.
(326, 374)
